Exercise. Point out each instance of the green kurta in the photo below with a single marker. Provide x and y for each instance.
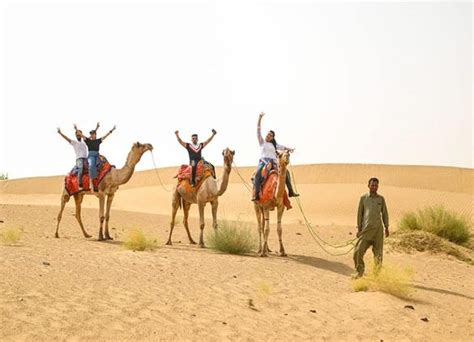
(372, 216)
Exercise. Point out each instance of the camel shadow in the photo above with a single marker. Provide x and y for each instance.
(323, 264)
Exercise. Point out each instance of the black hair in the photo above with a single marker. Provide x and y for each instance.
(194, 135)
(93, 132)
(273, 141)
(373, 179)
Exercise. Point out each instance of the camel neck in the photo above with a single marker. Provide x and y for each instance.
(224, 180)
(281, 182)
(126, 172)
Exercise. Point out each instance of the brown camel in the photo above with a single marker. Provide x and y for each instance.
(262, 210)
(107, 188)
(209, 191)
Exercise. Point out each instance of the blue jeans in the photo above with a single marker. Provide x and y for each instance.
(92, 159)
(80, 167)
(257, 180)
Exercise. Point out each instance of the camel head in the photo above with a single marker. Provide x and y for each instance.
(137, 152)
(139, 149)
(284, 158)
(228, 156)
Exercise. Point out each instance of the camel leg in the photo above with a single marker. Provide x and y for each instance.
(78, 200)
(174, 210)
(266, 233)
(64, 199)
(110, 198)
(280, 210)
(186, 208)
(201, 224)
(214, 204)
(101, 216)
(258, 214)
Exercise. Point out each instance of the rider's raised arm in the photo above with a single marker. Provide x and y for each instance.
(259, 129)
(108, 133)
(182, 143)
(65, 137)
(210, 138)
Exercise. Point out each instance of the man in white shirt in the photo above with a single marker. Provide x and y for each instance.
(81, 150)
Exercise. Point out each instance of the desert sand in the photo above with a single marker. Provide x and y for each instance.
(81, 289)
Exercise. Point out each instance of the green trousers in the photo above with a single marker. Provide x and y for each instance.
(360, 249)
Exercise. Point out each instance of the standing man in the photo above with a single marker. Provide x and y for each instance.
(372, 216)
(93, 145)
(81, 150)
(194, 150)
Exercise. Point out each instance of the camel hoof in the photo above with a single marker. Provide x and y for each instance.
(56, 236)
(192, 242)
(201, 245)
(169, 243)
(283, 254)
(101, 238)
(87, 236)
(108, 238)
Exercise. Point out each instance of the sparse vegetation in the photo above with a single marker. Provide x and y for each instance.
(422, 241)
(137, 241)
(3, 176)
(232, 238)
(10, 236)
(439, 221)
(388, 279)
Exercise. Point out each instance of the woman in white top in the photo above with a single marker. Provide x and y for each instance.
(268, 153)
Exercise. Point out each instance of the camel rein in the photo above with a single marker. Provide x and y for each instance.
(320, 241)
(157, 174)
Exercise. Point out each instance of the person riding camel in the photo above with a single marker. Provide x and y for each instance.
(194, 150)
(268, 153)
(81, 150)
(93, 144)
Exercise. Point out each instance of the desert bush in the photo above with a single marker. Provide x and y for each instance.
(388, 279)
(439, 221)
(10, 236)
(232, 238)
(137, 241)
(422, 241)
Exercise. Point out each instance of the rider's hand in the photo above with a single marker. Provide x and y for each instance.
(75, 127)
(214, 131)
(59, 130)
(176, 132)
(261, 114)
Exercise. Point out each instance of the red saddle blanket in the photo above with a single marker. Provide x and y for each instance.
(268, 191)
(185, 171)
(71, 181)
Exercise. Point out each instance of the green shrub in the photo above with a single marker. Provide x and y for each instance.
(232, 238)
(10, 236)
(3, 176)
(439, 221)
(137, 241)
(388, 279)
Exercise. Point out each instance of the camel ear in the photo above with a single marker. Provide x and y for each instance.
(223, 152)
(232, 152)
(138, 144)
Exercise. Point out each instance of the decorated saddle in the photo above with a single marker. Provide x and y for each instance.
(71, 181)
(203, 170)
(268, 188)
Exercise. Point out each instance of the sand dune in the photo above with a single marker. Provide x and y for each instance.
(81, 289)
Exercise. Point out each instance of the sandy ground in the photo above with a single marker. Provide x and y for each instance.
(81, 289)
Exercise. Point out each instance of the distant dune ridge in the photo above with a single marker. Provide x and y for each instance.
(329, 192)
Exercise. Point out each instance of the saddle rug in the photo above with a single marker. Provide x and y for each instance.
(71, 181)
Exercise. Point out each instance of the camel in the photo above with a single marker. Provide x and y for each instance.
(107, 188)
(209, 191)
(262, 210)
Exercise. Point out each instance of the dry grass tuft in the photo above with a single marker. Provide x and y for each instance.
(137, 241)
(232, 238)
(10, 236)
(388, 279)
